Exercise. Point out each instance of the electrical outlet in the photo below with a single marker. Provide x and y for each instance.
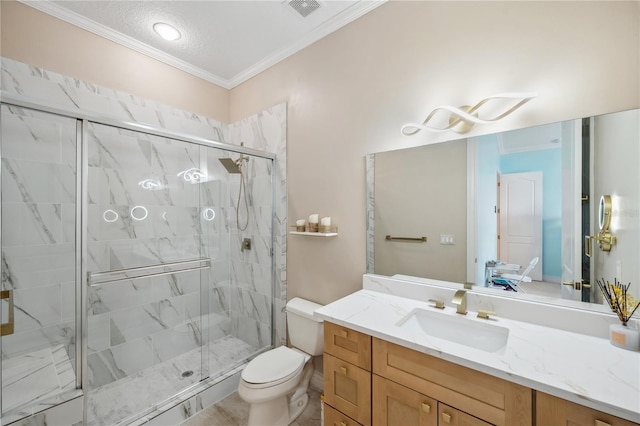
(447, 240)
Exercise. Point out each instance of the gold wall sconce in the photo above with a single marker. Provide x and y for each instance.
(605, 238)
(463, 119)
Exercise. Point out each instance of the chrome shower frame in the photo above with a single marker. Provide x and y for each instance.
(83, 119)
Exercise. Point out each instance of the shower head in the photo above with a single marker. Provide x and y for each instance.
(231, 165)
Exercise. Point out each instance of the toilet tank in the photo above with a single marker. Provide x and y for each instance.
(305, 332)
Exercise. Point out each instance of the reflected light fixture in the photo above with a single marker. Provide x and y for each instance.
(193, 175)
(150, 184)
(166, 31)
(464, 118)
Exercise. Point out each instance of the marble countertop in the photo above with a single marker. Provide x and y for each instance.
(584, 369)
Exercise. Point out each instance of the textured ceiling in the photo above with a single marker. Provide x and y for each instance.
(225, 42)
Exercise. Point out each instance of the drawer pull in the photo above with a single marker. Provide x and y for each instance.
(601, 423)
(426, 407)
(343, 423)
(446, 417)
(343, 370)
(343, 333)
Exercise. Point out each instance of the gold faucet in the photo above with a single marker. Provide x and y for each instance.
(460, 300)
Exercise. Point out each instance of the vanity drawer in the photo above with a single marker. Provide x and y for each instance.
(452, 417)
(396, 405)
(349, 345)
(347, 388)
(333, 417)
(553, 411)
(494, 400)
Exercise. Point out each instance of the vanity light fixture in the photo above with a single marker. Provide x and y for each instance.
(166, 31)
(464, 118)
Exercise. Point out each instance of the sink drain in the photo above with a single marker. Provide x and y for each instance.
(187, 373)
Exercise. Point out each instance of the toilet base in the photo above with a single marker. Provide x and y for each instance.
(285, 409)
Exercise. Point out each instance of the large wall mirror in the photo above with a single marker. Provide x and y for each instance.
(508, 203)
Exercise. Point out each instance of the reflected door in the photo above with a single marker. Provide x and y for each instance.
(521, 219)
(571, 210)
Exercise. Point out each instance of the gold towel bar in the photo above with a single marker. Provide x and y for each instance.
(419, 239)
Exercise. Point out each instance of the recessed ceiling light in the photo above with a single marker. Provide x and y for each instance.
(166, 31)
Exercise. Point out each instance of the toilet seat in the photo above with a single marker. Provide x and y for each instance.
(273, 367)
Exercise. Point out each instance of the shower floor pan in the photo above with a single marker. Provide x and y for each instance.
(133, 396)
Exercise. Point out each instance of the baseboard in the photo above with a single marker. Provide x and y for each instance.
(317, 382)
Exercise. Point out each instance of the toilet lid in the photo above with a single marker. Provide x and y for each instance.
(274, 365)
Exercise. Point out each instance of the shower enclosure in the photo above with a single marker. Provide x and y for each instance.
(125, 277)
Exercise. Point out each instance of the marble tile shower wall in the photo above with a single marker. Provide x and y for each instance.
(266, 131)
(38, 229)
(245, 297)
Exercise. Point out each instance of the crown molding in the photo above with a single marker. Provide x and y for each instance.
(73, 18)
(338, 21)
(348, 15)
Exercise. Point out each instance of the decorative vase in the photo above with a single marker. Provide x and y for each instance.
(623, 336)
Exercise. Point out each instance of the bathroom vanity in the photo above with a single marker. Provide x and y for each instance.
(385, 363)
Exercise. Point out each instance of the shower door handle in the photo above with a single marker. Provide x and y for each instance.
(7, 328)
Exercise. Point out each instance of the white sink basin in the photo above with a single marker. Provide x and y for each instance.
(457, 329)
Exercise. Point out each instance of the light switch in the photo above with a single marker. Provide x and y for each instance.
(446, 239)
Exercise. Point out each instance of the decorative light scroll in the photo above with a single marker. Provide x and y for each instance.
(464, 118)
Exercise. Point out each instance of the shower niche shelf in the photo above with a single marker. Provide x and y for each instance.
(315, 234)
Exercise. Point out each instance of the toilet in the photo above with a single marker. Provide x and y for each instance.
(275, 382)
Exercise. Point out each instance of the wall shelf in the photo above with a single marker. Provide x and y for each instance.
(315, 234)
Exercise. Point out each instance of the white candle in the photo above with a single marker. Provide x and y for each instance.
(325, 221)
(313, 218)
(300, 222)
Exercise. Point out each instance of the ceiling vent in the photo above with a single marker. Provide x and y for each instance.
(304, 7)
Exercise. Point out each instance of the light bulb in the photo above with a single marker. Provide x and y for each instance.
(166, 31)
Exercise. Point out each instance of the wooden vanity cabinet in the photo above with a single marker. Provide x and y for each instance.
(371, 381)
(397, 405)
(333, 417)
(554, 411)
(347, 374)
(465, 396)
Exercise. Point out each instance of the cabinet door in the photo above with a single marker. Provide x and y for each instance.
(449, 416)
(396, 405)
(349, 345)
(494, 400)
(347, 388)
(553, 411)
(333, 417)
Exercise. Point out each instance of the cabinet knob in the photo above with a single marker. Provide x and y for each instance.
(343, 370)
(426, 407)
(343, 333)
(446, 417)
(343, 423)
(601, 423)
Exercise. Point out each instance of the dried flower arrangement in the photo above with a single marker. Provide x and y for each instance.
(619, 299)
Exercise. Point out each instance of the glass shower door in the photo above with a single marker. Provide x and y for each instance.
(39, 263)
(237, 202)
(148, 272)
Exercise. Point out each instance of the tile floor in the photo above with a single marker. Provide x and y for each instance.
(542, 288)
(233, 411)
